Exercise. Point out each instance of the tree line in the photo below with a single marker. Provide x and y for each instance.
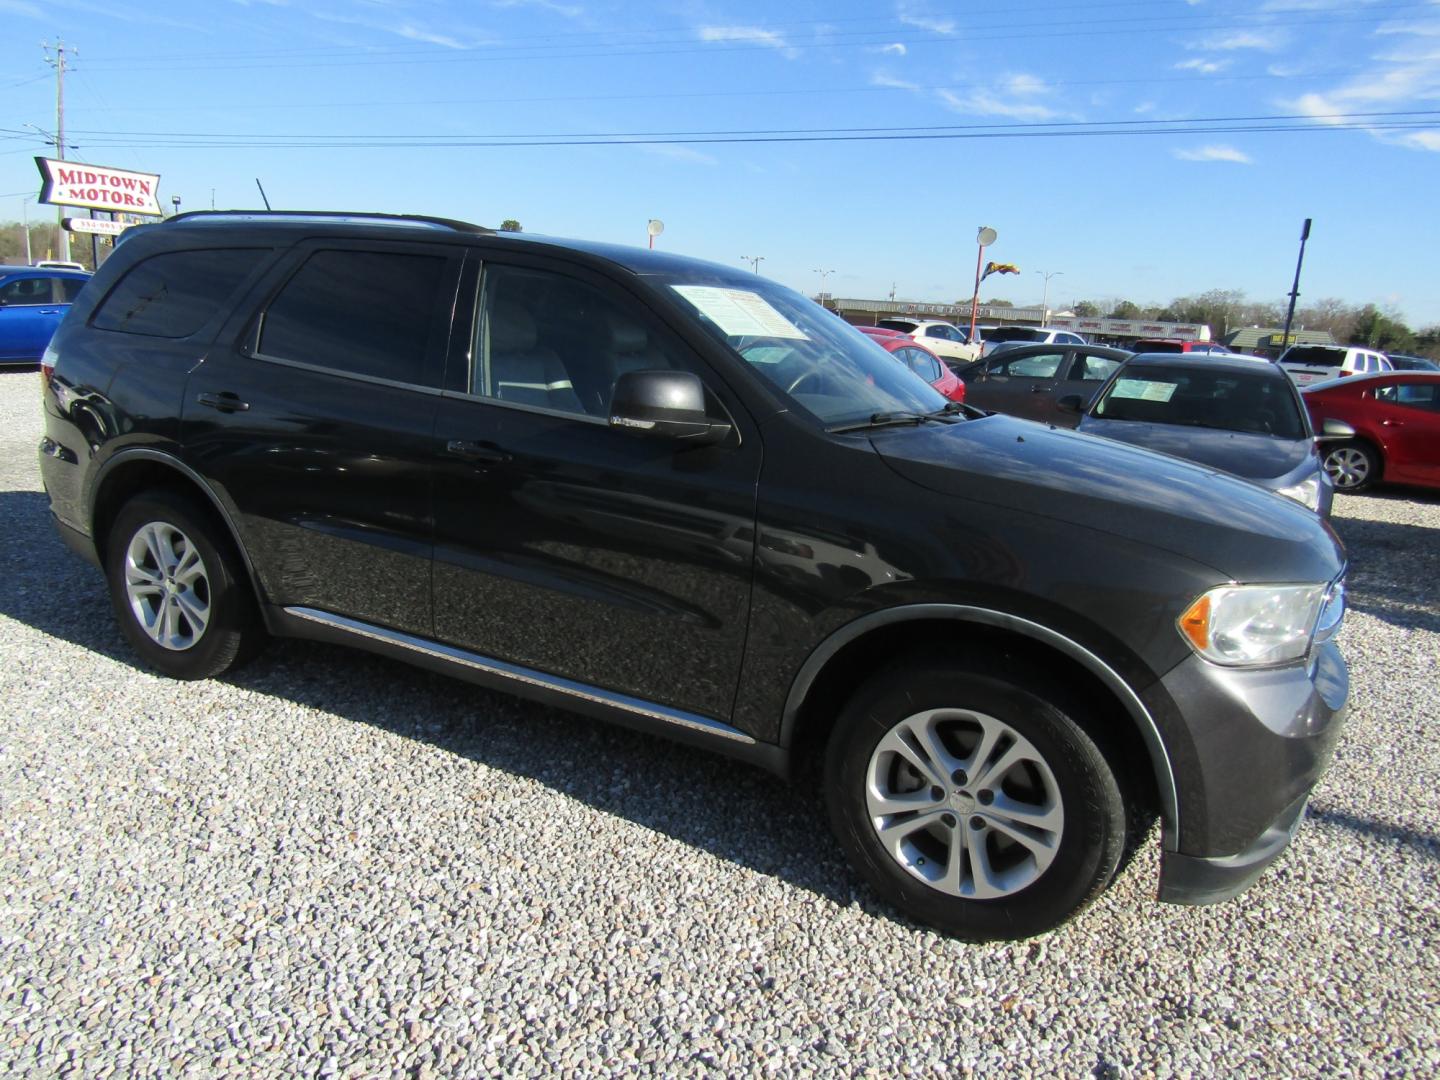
(1226, 310)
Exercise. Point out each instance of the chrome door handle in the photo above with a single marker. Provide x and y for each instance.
(226, 402)
(469, 450)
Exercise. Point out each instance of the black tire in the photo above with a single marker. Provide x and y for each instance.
(1353, 466)
(231, 633)
(1092, 837)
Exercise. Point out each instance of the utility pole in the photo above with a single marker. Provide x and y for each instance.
(58, 63)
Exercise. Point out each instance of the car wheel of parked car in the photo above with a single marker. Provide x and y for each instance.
(1353, 466)
(972, 800)
(178, 592)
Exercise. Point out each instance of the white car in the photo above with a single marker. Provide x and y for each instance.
(1028, 335)
(1307, 364)
(944, 339)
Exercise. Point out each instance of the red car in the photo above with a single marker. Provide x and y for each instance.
(918, 359)
(1396, 420)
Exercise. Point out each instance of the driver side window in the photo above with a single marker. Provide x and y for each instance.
(553, 342)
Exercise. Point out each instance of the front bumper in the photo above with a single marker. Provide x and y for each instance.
(1211, 879)
(1256, 743)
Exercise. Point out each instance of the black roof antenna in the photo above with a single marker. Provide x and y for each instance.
(262, 192)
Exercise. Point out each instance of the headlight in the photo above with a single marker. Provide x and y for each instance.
(1252, 625)
(1307, 492)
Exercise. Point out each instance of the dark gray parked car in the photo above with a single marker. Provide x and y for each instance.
(1030, 380)
(1236, 413)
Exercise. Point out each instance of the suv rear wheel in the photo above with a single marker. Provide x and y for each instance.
(972, 802)
(177, 589)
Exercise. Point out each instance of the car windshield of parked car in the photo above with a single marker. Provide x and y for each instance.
(1259, 403)
(824, 365)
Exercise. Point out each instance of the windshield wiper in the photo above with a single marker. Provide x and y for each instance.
(886, 419)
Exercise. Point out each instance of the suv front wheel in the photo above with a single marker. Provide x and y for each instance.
(972, 802)
(177, 590)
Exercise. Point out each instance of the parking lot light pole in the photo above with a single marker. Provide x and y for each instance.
(754, 261)
(984, 238)
(1295, 288)
(1045, 300)
(823, 275)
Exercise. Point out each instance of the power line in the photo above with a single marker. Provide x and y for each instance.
(496, 52)
(1259, 125)
(888, 128)
(291, 106)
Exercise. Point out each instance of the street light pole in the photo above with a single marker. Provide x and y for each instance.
(1045, 301)
(754, 261)
(823, 275)
(1295, 289)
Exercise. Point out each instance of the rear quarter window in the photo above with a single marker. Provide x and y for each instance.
(174, 294)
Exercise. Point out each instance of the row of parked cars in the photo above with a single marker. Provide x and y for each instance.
(1322, 418)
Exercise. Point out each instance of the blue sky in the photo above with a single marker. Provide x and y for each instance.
(290, 89)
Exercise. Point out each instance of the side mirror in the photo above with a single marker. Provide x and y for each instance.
(665, 405)
(1335, 429)
(1071, 403)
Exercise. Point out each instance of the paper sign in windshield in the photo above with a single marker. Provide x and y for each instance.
(739, 312)
(1144, 389)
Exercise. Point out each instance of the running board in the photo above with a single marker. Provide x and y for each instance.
(462, 663)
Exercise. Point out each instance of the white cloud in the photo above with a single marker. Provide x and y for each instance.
(750, 35)
(570, 11)
(1203, 66)
(1144, 108)
(894, 49)
(1263, 40)
(879, 78)
(1214, 153)
(16, 7)
(917, 15)
(681, 153)
(985, 103)
(1025, 85)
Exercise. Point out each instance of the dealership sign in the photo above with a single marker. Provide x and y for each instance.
(98, 187)
(97, 226)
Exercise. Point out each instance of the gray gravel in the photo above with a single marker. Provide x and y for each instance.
(331, 865)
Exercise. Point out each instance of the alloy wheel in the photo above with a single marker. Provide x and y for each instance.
(965, 803)
(167, 586)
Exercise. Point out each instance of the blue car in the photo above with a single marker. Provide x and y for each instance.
(33, 300)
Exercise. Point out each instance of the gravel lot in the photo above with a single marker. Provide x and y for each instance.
(334, 865)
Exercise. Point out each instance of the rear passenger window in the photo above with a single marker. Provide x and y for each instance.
(175, 294)
(359, 312)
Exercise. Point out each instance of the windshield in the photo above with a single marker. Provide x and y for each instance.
(1014, 333)
(821, 363)
(1259, 403)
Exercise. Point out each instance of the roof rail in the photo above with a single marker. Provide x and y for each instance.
(200, 217)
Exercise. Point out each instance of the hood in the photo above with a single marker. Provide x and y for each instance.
(1243, 531)
(1256, 457)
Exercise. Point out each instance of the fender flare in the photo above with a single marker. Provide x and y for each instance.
(1139, 715)
(146, 453)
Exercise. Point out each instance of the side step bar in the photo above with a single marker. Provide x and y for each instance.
(564, 693)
